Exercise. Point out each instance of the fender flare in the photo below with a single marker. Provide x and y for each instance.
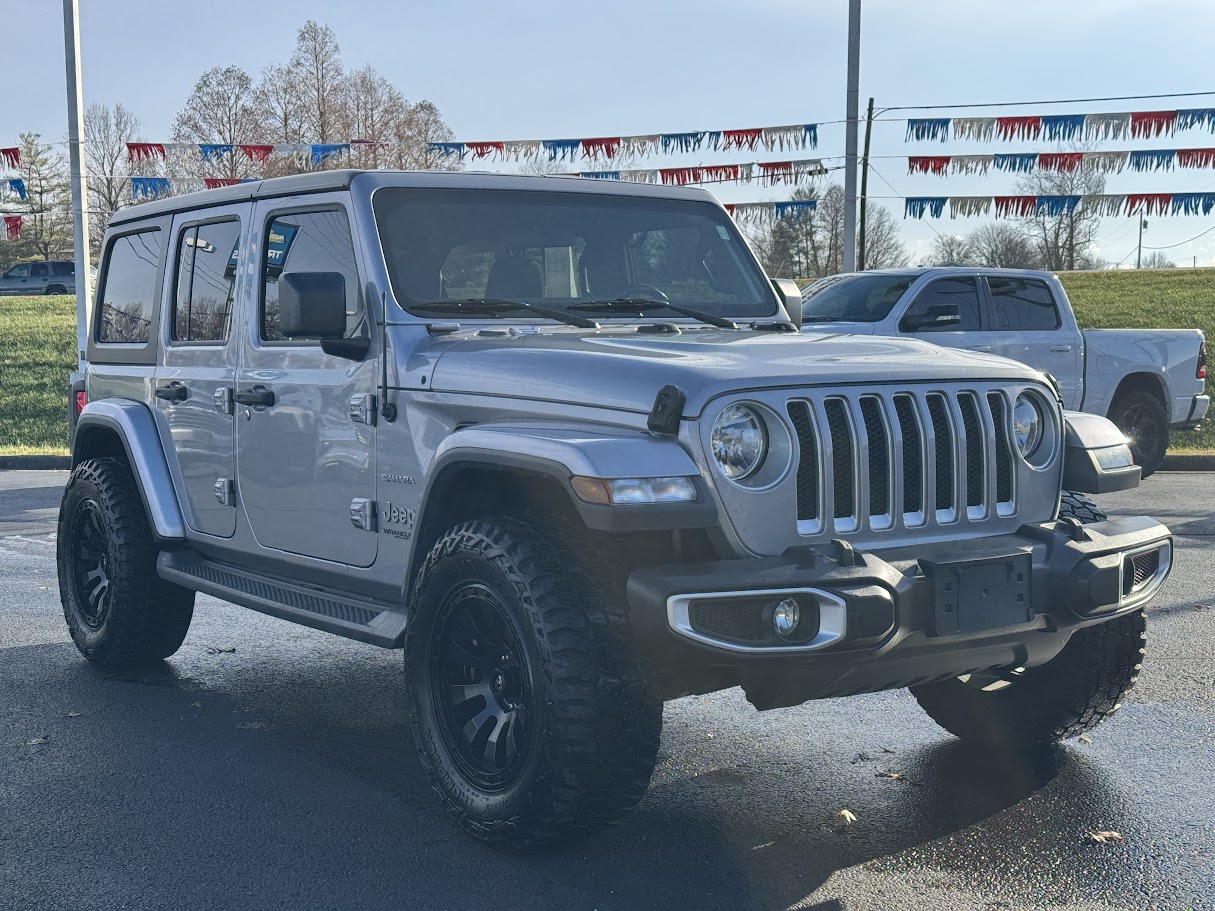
(1093, 455)
(134, 425)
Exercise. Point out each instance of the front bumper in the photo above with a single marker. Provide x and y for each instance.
(912, 615)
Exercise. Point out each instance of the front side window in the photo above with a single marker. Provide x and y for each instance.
(128, 290)
(560, 249)
(21, 270)
(206, 281)
(853, 298)
(309, 242)
(961, 292)
(1022, 305)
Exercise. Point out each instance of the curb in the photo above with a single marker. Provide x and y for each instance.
(35, 463)
(1196, 462)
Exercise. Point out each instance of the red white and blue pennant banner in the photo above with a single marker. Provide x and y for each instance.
(12, 227)
(1023, 162)
(758, 213)
(314, 152)
(1062, 127)
(1104, 204)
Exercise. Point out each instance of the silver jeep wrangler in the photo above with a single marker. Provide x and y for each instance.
(559, 441)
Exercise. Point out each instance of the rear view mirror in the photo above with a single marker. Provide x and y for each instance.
(312, 305)
(791, 297)
(941, 316)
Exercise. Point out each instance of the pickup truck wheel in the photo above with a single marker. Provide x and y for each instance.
(526, 699)
(1141, 416)
(118, 610)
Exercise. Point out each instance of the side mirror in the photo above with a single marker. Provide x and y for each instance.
(312, 305)
(941, 316)
(791, 297)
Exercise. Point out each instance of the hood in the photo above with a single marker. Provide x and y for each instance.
(626, 370)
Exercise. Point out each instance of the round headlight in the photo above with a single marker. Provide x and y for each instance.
(1027, 425)
(740, 441)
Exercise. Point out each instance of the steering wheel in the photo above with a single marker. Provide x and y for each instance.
(649, 292)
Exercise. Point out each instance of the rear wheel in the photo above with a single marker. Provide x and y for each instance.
(527, 702)
(56, 289)
(118, 610)
(1141, 416)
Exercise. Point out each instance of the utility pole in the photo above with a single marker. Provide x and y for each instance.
(80, 222)
(862, 256)
(853, 114)
(1142, 228)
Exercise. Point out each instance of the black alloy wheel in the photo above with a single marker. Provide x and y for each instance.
(1141, 416)
(481, 685)
(90, 564)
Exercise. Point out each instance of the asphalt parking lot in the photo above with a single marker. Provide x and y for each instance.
(268, 766)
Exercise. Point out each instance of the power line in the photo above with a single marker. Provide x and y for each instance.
(1184, 242)
(1011, 104)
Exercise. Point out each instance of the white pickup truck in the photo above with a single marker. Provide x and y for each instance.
(1147, 381)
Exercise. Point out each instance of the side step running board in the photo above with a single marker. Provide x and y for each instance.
(366, 621)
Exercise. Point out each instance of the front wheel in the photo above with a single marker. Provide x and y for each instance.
(527, 702)
(1141, 416)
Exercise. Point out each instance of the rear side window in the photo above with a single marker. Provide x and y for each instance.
(309, 242)
(205, 282)
(1022, 305)
(63, 269)
(962, 292)
(129, 288)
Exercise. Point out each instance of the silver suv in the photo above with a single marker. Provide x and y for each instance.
(559, 441)
(39, 277)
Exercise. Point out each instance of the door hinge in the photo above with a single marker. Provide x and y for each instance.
(222, 399)
(363, 408)
(225, 491)
(362, 513)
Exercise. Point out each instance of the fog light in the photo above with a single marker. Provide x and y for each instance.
(785, 617)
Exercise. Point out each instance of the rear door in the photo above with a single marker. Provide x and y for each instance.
(194, 383)
(1028, 326)
(40, 274)
(961, 291)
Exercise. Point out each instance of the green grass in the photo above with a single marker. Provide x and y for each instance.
(1156, 299)
(37, 352)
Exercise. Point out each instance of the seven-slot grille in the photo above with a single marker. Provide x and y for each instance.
(873, 461)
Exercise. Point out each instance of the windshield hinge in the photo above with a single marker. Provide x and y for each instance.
(442, 328)
(667, 411)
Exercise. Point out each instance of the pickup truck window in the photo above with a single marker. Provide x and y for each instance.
(128, 291)
(960, 292)
(859, 299)
(1022, 304)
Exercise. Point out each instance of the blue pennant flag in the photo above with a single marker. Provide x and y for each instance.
(935, 128)
(680, 142)
(1152, 160)
(1060, 127)
(447, 149)
(323, 151)
(17, 185)
(212, 151)
(1196, 117)
(1021, 162)
(601, 175)
(562, 149)
(1056, 205)
(796, 209)
(150, 187)
(1193, 203)
(811, 131)
(916, 206)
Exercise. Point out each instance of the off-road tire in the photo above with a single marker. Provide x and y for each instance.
(1072, 693)
(145, 619)
(597, 719)
(1141, 416)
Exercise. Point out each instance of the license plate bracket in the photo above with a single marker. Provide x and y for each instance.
(980, 594)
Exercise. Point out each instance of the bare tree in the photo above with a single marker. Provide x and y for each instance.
(106, 134)
(950, 250)
(422, 125)
(280, 109)
(316, 68)
(372, 110)
(1157, 260)
(1003, 246)
(1066, 240)
(46, 230)
(883, 249)
(221, 111)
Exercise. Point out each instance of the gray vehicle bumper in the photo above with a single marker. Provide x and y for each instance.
(1199, 406)
(909, 616)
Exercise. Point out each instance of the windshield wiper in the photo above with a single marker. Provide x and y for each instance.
(641, 305)
(496, 306)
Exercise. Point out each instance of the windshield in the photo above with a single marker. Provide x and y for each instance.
(854, 298)
(558, 249)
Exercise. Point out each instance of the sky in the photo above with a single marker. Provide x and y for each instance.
(549, 69)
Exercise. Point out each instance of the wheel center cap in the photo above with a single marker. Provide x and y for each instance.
(498, 684)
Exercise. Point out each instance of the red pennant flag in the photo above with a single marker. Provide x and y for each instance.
(928, 164)
(1146, 124)
(485, 149)
(607, 146)
(214, 183)
(740, 139)
(720, 172)
(257, 153)
(12, 227)
(730, 207)
(1151, 203)
(368, 142)
(1020, 206)
(1018, 127)
(12, 157)
(679, 176)
(1196, 158)
(776, 171)
(1060, 161)
(145, 151)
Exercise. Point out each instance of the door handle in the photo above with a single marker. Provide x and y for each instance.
(258, 395)
(1061, 348)
(173, 392)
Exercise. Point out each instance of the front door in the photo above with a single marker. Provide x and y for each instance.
(16, 280)
(305, 446)
(1027, 327)
(961, 291)
(194, 383)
